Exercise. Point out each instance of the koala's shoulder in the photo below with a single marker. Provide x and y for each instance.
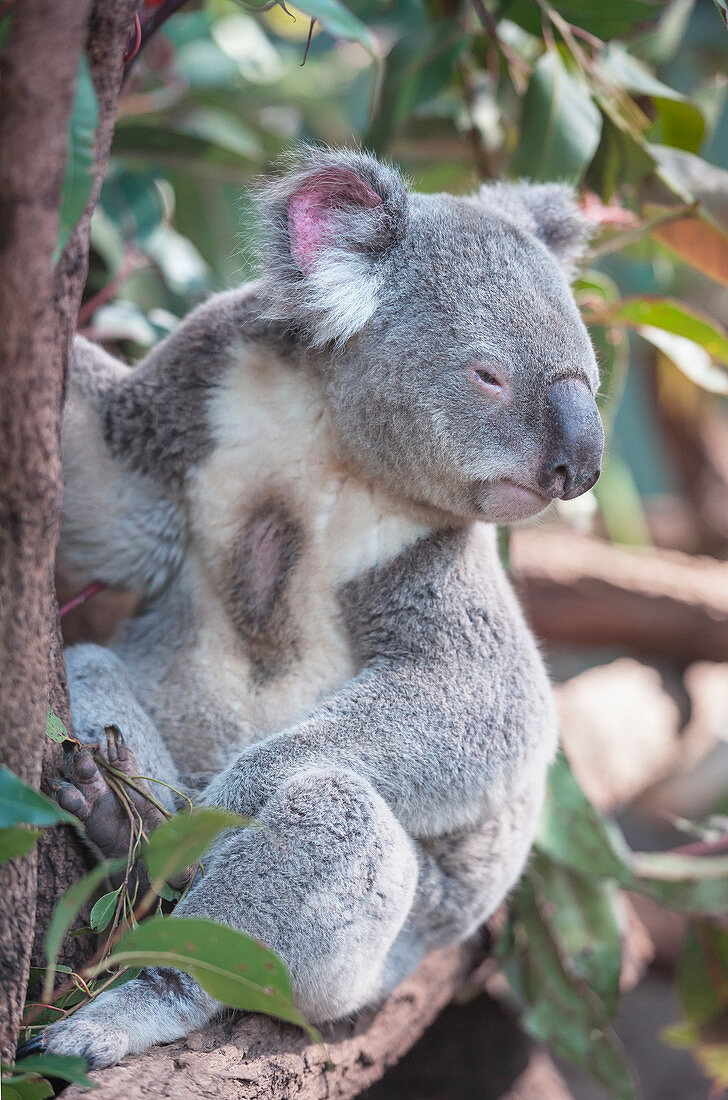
(445, 599)
(157, 415)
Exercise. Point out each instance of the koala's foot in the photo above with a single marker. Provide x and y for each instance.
(157, 1007)
(89, 794)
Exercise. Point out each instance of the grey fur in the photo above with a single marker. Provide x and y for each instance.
(330, 636)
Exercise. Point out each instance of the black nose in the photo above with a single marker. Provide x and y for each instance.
(575, 440)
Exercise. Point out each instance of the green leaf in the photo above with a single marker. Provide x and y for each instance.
(67, 1067)
(133, 202)
(233, 967)
(178, 843)
(671, 316)
(55, 728)
(682, 123)
(182, 267)
(103, 910)
(612, 19)
(574, 833)
(702, 973)
(36, 1088)
(561, 124)
(67, 908)
(16, 842)
(621, 158)
(79, 175)
(20, 804)
(177, 145)
(689, 358)
(338, 21)
(417, 69)
(581, 913)
(558, 1006)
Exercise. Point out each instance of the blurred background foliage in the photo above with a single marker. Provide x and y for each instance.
(628, 101)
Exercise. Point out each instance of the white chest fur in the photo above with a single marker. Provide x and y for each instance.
(273, 456)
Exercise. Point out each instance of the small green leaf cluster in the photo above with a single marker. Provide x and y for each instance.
(232, 966)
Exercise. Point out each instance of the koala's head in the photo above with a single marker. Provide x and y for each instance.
(457, 367)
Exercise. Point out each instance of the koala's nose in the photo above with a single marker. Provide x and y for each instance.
(575, 440)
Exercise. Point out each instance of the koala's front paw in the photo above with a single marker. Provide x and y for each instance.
(100, 1044)
(87, 795)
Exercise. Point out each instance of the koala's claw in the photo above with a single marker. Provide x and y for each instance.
(86, 793)
(30, 1046)
(98, 1043)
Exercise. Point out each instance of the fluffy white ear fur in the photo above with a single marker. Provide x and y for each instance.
(329, 220)
(549, 211)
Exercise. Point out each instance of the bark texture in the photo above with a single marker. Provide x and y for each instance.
(61, 857)
(38, 68)
(256, 1058)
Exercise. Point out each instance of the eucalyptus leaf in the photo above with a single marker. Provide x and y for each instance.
(581, 912)
(231, 966)
(682, 122)
(133, 201)
(178, 843)
(34, 1088)
(67, 1067)
(561, 124)
(689, 357)
(103, 910)
(55, 728)
(671, 316)
(694, 179)
(17, 842)
(417, 69)
(66, 909)
(610, 19)
(698, 241)
(338, 21)
(79, 175)
(21, 804)
(559, 1007)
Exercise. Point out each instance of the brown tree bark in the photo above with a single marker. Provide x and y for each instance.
(38, 68)
(38, 307)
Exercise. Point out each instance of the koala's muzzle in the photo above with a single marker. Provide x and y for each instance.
(575, 440)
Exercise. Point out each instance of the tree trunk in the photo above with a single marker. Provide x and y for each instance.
(38, 308)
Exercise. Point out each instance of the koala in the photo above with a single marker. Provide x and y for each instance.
(302, 483)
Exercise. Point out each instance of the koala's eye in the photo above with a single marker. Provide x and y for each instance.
(489, 378)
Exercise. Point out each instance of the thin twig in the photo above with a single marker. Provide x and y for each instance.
(126, 267)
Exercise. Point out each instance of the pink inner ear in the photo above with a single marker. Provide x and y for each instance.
(310, 210)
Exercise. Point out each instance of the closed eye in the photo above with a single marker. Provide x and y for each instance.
(489, 379)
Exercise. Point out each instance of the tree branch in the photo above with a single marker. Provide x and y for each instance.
(256, 1058)
(581, 591)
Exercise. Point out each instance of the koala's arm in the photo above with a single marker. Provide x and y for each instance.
(119, 526)
(452, 713)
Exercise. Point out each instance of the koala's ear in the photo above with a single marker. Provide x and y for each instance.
(329, 220)
(549, 211)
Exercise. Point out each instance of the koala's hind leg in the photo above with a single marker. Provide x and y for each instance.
(106, 713)
(326, 879)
